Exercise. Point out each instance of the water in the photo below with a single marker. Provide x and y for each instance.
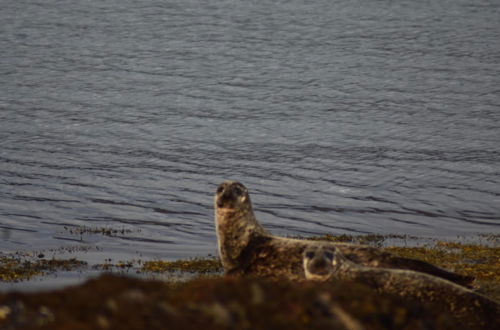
(339, 116)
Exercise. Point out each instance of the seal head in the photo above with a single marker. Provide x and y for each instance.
(322, 263)
(232, 195)
(318, 263)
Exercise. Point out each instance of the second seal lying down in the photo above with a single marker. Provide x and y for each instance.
(471, 308)
(245, 247)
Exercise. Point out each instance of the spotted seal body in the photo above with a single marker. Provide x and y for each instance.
(477, 311)
(245, 247)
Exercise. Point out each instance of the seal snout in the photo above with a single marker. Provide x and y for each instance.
(319, 266)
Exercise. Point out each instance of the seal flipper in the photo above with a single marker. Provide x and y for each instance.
(371, 257)
(424, 267)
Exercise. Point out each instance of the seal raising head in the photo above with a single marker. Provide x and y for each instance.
(235, 222)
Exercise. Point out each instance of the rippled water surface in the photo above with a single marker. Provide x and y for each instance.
(339, 116)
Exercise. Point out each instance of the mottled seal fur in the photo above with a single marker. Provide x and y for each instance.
(245, 247)
(477, 311)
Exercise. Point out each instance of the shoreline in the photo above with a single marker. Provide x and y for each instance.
(193, 293)
(29, 272)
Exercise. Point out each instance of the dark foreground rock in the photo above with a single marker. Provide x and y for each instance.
(117, 302)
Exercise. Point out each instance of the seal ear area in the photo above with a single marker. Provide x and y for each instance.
(220, 188)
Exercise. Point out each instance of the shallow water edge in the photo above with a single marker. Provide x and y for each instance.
(32, 272)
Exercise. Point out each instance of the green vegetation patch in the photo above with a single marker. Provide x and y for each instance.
(15, 269)
(196, 265)
(12, 269)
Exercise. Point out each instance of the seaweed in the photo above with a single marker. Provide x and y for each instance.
(81, 230)
(195, 265)
(14, 269)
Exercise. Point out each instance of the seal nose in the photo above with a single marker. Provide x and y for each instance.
(320, 263)
(318, 266)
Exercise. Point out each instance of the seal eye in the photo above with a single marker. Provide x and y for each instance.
(238, 191)
(309, 254)
(220, 189)
(329, 255)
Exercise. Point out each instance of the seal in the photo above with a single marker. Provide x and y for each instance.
(246, 248)
(328, 263)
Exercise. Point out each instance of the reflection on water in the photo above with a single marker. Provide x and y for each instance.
(5, 234)
(339, 116)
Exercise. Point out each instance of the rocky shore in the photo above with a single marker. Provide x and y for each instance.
(209, 300)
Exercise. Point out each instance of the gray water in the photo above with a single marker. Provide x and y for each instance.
(340, 116)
